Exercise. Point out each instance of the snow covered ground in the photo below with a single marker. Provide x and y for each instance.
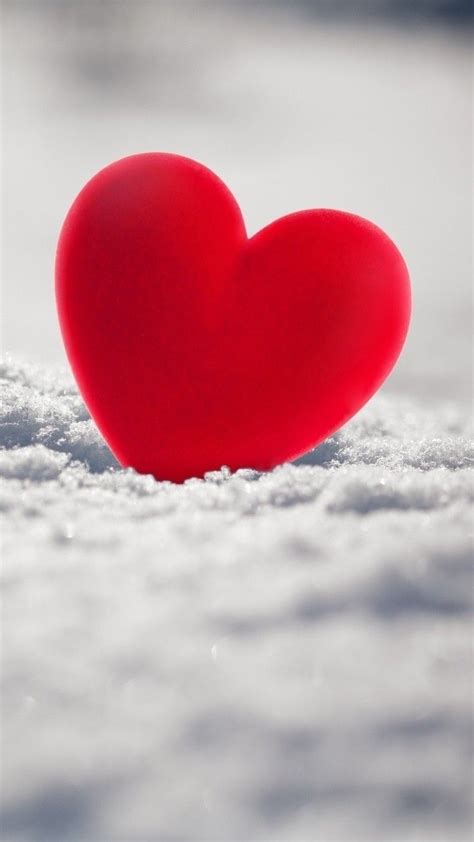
(251, 658)
(282, 656)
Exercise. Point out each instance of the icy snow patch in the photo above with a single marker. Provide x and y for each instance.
(280, 656)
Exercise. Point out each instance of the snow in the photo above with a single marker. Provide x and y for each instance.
(280, 656)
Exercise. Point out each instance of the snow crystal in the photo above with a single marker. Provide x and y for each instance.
(250, 656)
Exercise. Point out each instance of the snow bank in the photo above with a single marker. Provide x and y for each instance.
(279, 656)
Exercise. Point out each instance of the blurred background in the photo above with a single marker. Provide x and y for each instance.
(362, 105)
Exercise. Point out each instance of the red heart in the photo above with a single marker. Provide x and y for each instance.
(196, 347)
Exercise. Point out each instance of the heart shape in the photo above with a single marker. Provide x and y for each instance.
(195, 347)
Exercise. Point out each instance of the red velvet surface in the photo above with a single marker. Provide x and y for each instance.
(196, 347)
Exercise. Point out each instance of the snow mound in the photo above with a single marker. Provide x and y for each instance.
(278, 656)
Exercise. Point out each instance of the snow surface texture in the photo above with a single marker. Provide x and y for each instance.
(279, 656)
